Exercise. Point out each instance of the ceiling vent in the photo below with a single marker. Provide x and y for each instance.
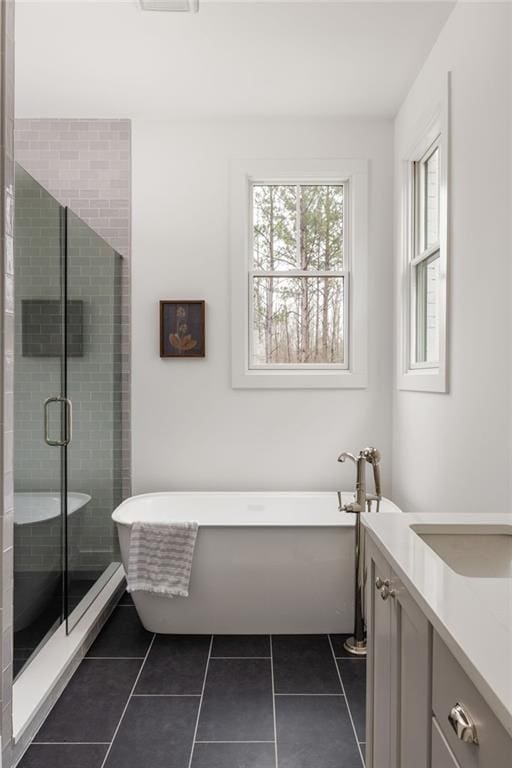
(186, 6)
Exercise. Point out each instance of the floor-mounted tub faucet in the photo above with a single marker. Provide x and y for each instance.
(356, 644)
(363, 498)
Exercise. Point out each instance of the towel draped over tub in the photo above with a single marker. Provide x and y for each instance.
(160, 557)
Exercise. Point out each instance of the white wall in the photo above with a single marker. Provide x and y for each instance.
(190, 429)
(452, 452)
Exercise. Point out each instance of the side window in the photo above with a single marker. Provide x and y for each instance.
(424, 260)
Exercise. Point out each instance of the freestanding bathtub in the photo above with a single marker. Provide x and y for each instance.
(264, 562)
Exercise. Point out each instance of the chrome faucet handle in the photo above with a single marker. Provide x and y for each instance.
(372, 455)
(351, 506)
(346, 455)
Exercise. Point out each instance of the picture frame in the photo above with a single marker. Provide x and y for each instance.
(182, 328)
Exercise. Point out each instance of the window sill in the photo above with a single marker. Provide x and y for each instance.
(298, 379)
(423, 380)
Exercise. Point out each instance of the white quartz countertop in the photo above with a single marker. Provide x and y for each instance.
(473, 615)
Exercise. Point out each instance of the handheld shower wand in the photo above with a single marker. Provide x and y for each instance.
(373, 457)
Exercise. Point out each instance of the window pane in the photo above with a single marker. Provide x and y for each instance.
(432, 199)
(274, 227)
(321, 227)
(298, 320)
(427, 310)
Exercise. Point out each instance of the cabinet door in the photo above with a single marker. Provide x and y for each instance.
(378, 691)
(410, 681)
(442, 756)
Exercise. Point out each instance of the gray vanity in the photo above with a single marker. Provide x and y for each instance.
(439, 614)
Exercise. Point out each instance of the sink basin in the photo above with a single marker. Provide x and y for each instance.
(480, 551)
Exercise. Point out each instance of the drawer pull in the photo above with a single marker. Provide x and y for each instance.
(463, 725)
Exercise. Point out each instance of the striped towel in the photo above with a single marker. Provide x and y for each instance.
(160, 557)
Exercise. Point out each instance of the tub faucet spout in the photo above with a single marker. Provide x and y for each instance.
(363, 499)
(356, 644)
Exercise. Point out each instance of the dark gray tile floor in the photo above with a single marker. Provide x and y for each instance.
(140, 700)
(237, 701)
(65, 755)
(353, 674)
(176, 665)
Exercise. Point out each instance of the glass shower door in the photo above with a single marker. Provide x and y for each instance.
(67, 452)
(93, 384)
(41, 417)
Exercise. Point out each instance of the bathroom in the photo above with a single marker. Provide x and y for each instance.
(292, 550)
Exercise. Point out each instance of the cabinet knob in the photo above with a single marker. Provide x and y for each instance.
(379, 583)
(386, 592)
(463, 725)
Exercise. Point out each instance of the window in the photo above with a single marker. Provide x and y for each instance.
(299, 273)
(298, 286)
(424, 259)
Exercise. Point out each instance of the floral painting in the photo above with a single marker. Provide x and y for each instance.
(182, 329)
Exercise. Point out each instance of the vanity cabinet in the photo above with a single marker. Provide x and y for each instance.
(423, 711)
(378, 680)
(399, 671)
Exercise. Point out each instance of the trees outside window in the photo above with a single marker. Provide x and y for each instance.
(298, 277)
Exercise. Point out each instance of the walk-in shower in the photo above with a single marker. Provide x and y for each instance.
(67, 403)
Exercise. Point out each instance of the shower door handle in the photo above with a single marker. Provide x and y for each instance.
(68, 421)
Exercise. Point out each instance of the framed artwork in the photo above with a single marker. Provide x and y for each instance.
(182, 329)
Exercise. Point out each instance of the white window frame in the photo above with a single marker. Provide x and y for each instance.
(412, 375)
(311, 273)
(352, 173)
(420, 253)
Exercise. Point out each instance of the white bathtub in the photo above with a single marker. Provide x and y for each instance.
(264, 562)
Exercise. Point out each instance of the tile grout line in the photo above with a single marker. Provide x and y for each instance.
(113, 658)
(166, 696)
(273, 700)
(199, 741)
(70, 743)
(240, 657)
(200, 702)
(128, 702)
(339, 695)
(346, 701)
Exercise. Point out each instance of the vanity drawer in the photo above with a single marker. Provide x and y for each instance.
(442, 756)
(451, 686)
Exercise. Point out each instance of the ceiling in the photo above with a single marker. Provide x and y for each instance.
(103, 59)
